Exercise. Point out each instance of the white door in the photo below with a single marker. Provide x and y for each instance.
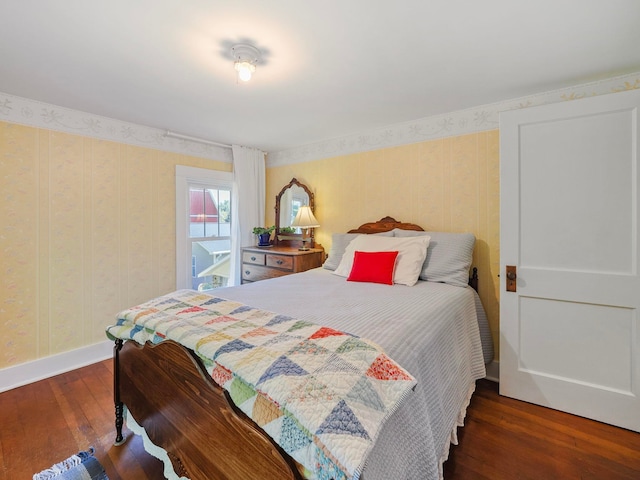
(569, 335)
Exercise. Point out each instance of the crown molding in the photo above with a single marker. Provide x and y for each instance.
(472, 120)
(33, 113)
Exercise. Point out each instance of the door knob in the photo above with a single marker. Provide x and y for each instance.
(511, 278)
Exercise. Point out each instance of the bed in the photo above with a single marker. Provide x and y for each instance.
(168, 390)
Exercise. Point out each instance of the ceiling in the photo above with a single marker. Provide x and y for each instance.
(330, 68)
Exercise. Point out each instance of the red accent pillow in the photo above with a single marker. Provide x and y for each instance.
(374, 267)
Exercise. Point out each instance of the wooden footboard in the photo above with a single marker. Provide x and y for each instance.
(167, 390)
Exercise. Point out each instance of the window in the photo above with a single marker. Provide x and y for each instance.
(203, 228)
(210, 235)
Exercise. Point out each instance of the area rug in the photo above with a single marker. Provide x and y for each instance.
(81, 466)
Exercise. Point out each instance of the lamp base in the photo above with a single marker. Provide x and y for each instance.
(304, 247)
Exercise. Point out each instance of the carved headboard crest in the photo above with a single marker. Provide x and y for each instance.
(385, 224)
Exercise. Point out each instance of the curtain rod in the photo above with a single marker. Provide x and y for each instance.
(180, 136)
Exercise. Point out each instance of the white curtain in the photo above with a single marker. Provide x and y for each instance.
(247, 204)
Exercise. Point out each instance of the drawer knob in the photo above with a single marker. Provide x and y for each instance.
(247, 272)
(253, 259)
(279, 262)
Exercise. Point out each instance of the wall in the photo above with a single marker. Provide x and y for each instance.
(87, 228)
(450, 184)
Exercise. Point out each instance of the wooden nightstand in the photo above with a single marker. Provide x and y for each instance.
(262, 263)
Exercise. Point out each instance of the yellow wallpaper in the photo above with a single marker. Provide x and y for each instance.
(87, 228)
(450, 184)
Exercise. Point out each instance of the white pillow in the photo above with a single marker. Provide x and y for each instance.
(339, 243)
(412, 252)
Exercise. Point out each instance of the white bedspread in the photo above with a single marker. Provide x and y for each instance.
(433, 330)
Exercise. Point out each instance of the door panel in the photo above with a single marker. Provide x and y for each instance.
(568, 175)
(569, 223)
(602, 360)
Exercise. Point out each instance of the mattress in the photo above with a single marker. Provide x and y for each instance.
(438, 332)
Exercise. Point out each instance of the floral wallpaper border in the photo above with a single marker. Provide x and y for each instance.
(33, 113)
(462, 122)
(42, 115)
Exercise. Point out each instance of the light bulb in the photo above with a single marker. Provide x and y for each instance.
(245, 70)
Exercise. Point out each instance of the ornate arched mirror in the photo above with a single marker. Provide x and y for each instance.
(288, 201)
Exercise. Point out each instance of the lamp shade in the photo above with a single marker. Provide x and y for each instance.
(304, 218)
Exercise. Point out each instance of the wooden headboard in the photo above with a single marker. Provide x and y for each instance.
(385, 224)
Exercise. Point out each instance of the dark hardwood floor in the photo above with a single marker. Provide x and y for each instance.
(45, 422)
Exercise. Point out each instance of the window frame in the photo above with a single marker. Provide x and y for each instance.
(185, 177)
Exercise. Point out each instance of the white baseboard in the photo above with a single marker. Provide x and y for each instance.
(29, 372)
(493, 371)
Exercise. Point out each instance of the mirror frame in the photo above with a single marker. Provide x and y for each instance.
(295, 237)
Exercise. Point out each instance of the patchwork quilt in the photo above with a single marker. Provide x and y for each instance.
(321, 394)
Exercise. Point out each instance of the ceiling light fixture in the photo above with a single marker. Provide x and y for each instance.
(245, 58)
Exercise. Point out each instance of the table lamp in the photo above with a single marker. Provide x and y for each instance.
(305, 220)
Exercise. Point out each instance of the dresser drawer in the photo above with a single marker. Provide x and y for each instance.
(253, 273)
(253, 257)
(263, 263)
(280, 261)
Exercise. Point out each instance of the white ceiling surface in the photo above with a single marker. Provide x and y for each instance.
(331, 68)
